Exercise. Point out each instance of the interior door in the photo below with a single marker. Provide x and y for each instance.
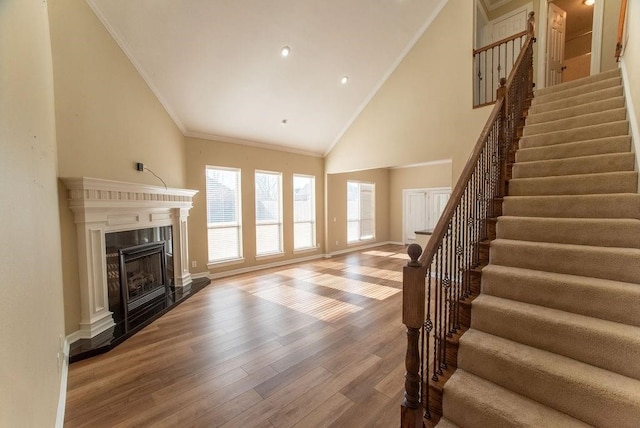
(415, 214)
(556, 30)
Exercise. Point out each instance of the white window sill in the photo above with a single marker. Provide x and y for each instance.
(306, 250)
(223, 263)
(270, 256)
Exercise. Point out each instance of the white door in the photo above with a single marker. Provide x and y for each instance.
(556, 30)
(415, 214)
(422, 209)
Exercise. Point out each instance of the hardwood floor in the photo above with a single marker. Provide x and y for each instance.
(307, 345)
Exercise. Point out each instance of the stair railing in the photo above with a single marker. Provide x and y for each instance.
(443, 279)
(494, 62)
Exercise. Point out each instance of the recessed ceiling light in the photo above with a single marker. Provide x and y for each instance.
(344, 80)
(589, 2)
(284, 121)
(285, 51)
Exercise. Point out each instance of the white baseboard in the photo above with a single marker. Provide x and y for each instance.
(297, 260)
(64, 373)
(361, 247)
(261, 267)
(200, 275)
(631, 111)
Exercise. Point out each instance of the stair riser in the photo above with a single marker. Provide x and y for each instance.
(611, 74)
(587, 206)
(595, 262)
(600, 232)
(471, 401)
(614, 129)
(574, 166)
(586, 98)
(573, 92)
(602, 344)
(597, 297)
(584, 148)
(576, 122)
(569, 395)
(609, 104)
(624, 182)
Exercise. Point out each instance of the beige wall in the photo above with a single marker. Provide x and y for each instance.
(609, 34)
(337, 207)
(107, 119)
(31, 310)
(418, 177)
(201, 153)
(424, 110)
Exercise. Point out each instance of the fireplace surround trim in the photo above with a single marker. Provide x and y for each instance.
(103, 206)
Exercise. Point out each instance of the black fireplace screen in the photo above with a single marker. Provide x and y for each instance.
(143, 273)
(139, 272)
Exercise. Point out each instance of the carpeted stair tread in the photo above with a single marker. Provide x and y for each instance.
(603, 232)
(613, 115)
(474, 402)
(609, 162)
(585, 98)
(592, 297)
(617, 264)
(610, 74)
(619, 144)
(612, 129)
(580, 184)
(620, 205)
(590, 394)
(576, 110)
(564, 93)
(609, 345)
(446, 423)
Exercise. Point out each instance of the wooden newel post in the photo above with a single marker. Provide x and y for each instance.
(413, 303)
(501, 94)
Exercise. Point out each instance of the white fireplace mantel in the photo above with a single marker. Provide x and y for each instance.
(104, 206)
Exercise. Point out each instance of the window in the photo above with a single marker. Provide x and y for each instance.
(224, 214)
(360, 210)
(304, 212)
(268, 213)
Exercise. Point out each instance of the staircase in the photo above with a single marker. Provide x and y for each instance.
(555, 331)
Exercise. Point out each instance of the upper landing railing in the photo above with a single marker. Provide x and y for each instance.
(494, 62)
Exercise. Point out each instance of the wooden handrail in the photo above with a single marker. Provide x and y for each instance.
(623, 12)
(499, 42)
(456, 195)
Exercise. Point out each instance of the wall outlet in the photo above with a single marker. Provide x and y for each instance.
(194, 263)
(139, 166)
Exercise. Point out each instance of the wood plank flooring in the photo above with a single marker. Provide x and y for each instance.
(307, 345)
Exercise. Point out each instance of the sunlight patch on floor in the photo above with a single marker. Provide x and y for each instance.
(323, 308)
(392, 275)
(379, 253)
(365, 289)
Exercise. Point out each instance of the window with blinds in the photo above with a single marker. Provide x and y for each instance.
(268, 212)
(304, 212)
(224, 214)
(360, 211)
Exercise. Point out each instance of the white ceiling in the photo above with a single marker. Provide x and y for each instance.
(216, 67)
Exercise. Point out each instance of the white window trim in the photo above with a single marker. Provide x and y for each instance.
(373, 217)
(313, 222)
(281, 251)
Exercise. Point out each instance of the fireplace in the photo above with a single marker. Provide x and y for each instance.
(118, 224)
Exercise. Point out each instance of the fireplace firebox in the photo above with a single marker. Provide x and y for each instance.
(140, 278)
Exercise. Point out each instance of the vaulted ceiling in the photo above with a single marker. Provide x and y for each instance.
(217, 68)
